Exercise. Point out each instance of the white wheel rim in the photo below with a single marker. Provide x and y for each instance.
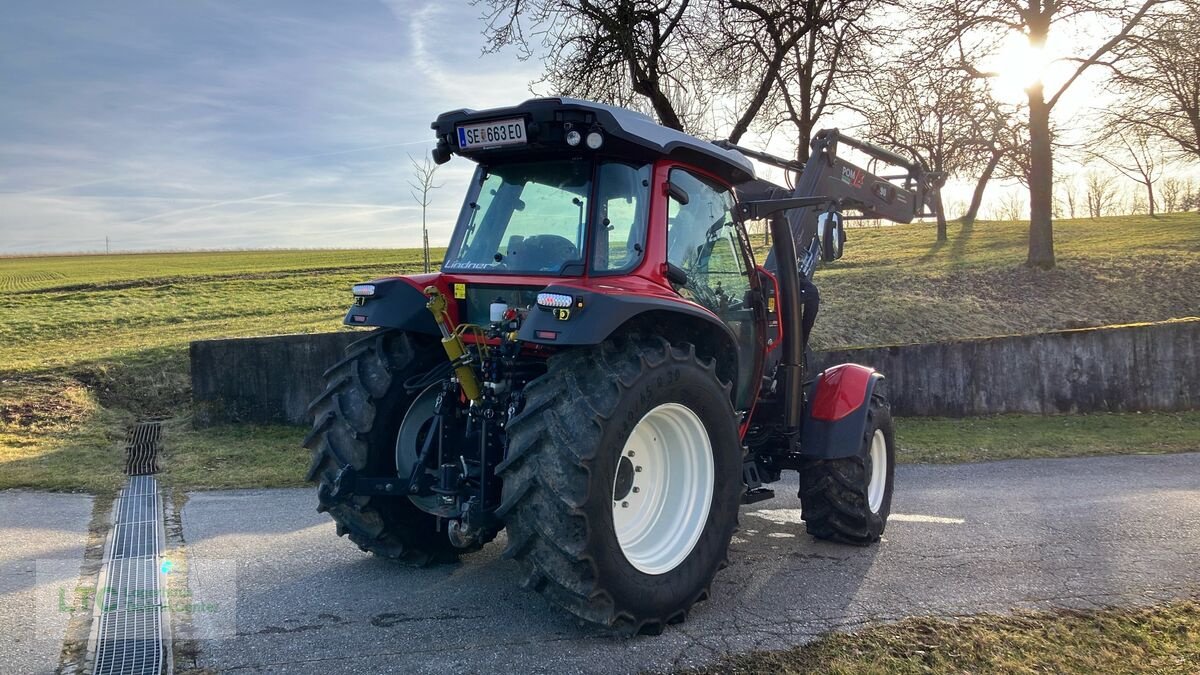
(663, 488)
(878, 484)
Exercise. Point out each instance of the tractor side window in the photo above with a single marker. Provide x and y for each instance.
(702, 240)
(622, 208)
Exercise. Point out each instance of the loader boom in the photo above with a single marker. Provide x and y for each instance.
(831, 183)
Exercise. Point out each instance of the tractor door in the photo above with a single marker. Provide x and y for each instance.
(704, 240)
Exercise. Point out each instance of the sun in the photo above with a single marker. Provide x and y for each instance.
(1018, 65)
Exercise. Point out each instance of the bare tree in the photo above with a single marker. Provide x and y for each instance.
(692, 61)
(1070, 192)
(1191, 197)
(1135, 158)
(927, 113)
(968, 26)
(609, 50)
(1172, 194)
(422, 186)
(1100, 193)
(1002, 150)
(620, 51)
(837, 52)
(755, 41)
(1158, 77)
(1135, 203)
(1011, 206)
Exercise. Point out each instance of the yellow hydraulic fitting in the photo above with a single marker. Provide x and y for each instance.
(453, 343)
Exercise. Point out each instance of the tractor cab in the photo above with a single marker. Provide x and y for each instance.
(567, 188)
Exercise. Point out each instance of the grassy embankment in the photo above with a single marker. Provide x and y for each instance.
(89, 344)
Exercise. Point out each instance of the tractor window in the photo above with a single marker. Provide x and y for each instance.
(622, 206)
(523, 218)
(702, 240)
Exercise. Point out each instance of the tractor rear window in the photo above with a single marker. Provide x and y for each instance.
(523, 218)
(534, 217)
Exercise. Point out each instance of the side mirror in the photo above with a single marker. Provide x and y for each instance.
(832, 234)
(441, 153)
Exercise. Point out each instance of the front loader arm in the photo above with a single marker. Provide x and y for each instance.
(831, 183)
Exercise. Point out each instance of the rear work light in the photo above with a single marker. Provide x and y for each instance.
(363, 290)
(554, 300)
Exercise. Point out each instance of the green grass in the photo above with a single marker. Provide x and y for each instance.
(978, 439)
(1163, 639)
(111, 332)
(242, 456)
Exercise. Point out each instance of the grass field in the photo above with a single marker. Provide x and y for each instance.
(1163, 639)
(89, 343)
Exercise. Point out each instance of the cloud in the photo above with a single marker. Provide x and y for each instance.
(201, 125)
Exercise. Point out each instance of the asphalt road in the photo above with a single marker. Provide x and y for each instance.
(42, 540)
(962, 540)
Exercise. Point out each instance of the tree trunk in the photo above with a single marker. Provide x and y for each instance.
(980, 186)
(940, 212)
(804, 132)
(1150, 197)
(425, 240)
(1041, 183)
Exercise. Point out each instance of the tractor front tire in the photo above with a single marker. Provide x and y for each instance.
(848, 500)
(592, 518)
(355, 423)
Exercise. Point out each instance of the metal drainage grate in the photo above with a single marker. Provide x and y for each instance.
(129, 634)
(141, 449)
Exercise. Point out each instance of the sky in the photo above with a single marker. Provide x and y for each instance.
(225, 124)
(212, 124)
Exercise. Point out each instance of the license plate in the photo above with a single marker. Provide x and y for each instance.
(492, 134)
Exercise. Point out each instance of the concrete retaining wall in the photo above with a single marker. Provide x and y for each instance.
(1141, 367)
(1115, 369)
(262, 379)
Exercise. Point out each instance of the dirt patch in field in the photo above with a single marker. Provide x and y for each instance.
(29, 402)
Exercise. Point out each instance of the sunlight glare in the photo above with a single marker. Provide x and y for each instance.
(1019, 66)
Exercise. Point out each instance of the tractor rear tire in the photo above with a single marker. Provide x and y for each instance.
(837, 497)
(570, 473)
(355, 423)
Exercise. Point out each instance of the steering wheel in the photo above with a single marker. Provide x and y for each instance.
(547, 251)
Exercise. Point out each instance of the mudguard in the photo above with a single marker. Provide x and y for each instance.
(594, 316)
(396, 304)
(836, 416)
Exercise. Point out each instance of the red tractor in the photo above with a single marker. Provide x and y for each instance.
(601, 368)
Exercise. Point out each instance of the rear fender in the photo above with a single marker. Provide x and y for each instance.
(836, 416)
(397, 303)
(604, 315)
(593, 316)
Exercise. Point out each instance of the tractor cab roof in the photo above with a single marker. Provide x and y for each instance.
(554, 127)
